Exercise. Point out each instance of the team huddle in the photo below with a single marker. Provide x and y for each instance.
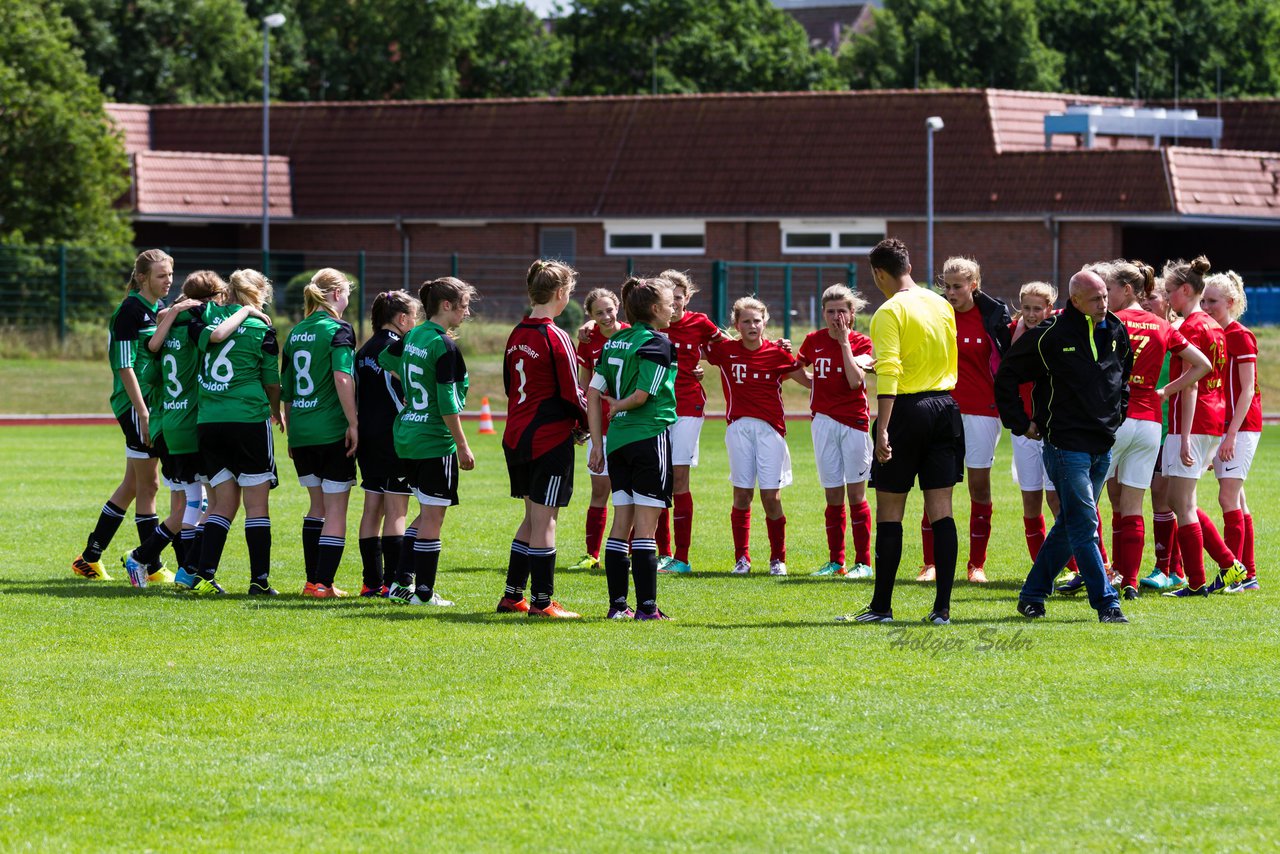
(201, 385)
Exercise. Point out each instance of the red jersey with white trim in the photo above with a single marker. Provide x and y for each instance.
(588, 355)
(691, 335)
(830, 394)
(1242, 346)
(544, 402)
(1200, 330)
(975, 390)
(1151, 337)
(752, 380)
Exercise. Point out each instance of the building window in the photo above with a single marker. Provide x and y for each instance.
(846, 237)
(559, 244)
(655, 238)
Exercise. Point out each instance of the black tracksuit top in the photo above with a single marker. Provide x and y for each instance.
(1080, 397)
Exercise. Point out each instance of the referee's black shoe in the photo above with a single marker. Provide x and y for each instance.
(1112, 615)
(1030, 610)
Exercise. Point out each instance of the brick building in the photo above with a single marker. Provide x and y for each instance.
(654, 182)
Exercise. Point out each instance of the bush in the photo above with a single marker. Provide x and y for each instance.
(571, 318)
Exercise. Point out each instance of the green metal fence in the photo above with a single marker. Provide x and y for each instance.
(793, 290)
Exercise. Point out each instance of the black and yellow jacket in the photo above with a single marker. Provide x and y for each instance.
(1081, 375)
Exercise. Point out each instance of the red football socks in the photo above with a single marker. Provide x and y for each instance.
(597, 517)
(1191, 544)
(979, 533)
(663, 534)
(777, 537)
(835, 516)
(1034, 528)
(740, 522)
(682, 516)
(860, 526)
(926, 539)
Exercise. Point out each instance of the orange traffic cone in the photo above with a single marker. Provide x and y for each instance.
(486, 417)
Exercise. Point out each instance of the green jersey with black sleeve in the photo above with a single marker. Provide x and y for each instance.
(132, 325)
(180, 382)
(638, 359)
(316, 348)
(435, 381)
(235, 373)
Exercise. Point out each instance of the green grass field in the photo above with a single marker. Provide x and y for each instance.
(146, 720)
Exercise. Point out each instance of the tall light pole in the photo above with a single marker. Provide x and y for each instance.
(932, 125)
(269, 23)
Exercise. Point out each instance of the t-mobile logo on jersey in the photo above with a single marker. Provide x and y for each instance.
(820, 367)
(739, 372)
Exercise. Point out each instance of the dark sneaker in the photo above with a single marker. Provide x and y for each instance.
(866, 615)
(262, 588)
(656, 615)
(939, 618)
(1188, 592)
(623, 613)
(1030, 610)
(1072, 585)
(1112, 615)
(1130, 593)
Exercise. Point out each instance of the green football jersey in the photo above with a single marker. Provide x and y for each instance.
(132, 324)
(235, 373)
(318, 346)
(434, 376)
(638, 359)
(179, 382)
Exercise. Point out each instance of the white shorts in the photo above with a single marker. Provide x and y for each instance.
(981, 433)
(843, 453)
(1246, 447)
(758, 455)
(1133, 456)
(1202, 450)
(1028, 465)
(684, 440)
(328, 487)
(604, 472)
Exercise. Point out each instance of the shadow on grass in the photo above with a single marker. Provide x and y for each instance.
(71, 588)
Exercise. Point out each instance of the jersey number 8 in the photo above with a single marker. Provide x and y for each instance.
(303, 385)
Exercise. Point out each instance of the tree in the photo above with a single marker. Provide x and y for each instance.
(169, 51)
(64, 168)
(1133, 48)
(622, 47)
(945, 43)
(513, 55)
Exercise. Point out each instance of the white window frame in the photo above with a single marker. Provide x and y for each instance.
(655, 230)
(833, 229)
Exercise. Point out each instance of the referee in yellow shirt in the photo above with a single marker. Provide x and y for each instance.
(918, 431)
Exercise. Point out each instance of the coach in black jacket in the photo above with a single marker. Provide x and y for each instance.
(1079, 361)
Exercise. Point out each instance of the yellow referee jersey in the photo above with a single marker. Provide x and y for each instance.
(914, 335)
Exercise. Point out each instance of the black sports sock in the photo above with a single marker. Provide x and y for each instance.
(329, 559)
(644, 569)
(179, 547)
(888, 556)
(149, 552)
(517, 570)
(426, 560)
(392, 548)
(197, 547)
(257, 536)
(404, 568)
(311, 527)
(215, 539)
(945, 551)
(190, 547)
(146, 526)
(109, 520)
(542, 572)
(371, 562)
(617, 571)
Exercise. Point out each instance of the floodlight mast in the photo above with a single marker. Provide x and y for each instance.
(269, 23)
(933, 124)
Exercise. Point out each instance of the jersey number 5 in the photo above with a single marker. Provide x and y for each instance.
(417, 391)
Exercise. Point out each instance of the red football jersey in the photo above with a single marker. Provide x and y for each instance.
(1206, 335)
(752, 380)
(1242, 346)
(544, 402)
(1151, 337)
(691, 335)
(975, 390)
(831, 395)
(588, 355)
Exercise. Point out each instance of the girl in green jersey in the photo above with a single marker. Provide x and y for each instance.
(133, 375)
(319, 390)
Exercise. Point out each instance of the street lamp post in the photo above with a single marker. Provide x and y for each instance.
(933, 124)
(269, 23)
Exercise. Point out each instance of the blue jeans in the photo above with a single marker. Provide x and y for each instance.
(1078, 478)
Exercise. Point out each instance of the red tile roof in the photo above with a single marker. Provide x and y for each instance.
(209, 185)
(1225, 183)
(134, 121)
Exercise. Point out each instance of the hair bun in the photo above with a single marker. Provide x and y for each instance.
(1201, 265)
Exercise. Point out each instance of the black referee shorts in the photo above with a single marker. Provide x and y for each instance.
(926, 435)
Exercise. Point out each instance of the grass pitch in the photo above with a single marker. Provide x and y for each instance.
(142, 719)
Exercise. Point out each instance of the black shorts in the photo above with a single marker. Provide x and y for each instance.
(135, 448)
(434, 480)
(382, 471)
(546, 480)
(926, 436)
(640, 472)
(241, 451)
(179, 470)
(325, 466)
